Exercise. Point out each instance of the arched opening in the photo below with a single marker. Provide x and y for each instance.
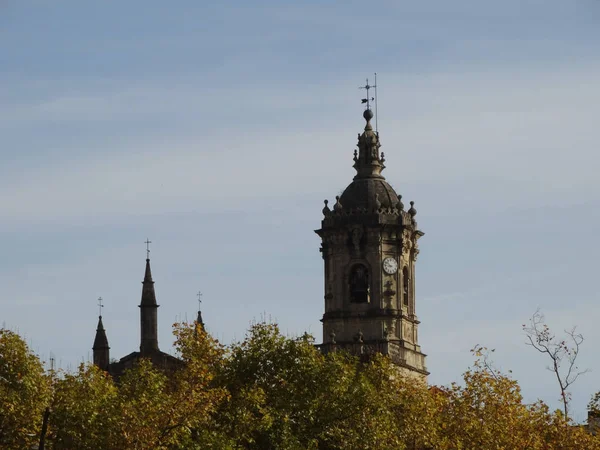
(405, 285)
(359, 284)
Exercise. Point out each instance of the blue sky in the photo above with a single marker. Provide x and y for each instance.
(216, 129)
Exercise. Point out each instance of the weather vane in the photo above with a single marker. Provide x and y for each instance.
(199, 294)
(100, 306)
(148, 242)
(370, 99)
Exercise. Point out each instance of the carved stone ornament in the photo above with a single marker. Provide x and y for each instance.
(405, 258)
(415, 253)
(326, 210)
(407, 241)
(377, 203)
(338, 206)
(389, 291)
(356, 233)
(359, 336)
(388, 331)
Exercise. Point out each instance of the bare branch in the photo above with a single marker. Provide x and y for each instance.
(542, 339)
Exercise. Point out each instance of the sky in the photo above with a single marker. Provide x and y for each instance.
(216, 129)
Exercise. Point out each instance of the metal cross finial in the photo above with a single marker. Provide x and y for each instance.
(147, 242)
(199, 294)
(100, 306)
(369, 99)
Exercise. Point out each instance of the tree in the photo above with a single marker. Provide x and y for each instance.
(196, 393)
(84, 412)
(144, 407)
(273, 392)
(488, 412)
(175, 410)
(24, 393)
(286, 394)
(562, 353)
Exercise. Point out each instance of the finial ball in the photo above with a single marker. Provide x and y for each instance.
(412, 211)
(368, 114)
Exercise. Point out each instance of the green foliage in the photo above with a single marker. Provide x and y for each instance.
(84, 413)
(271, 392)
(145, 407)
(286, 394)
(24, 393)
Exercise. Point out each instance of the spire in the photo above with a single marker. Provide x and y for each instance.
(367, 162)
(101, 341)
(101, 349)
(199, 320)
(148, 314)
(148, 294)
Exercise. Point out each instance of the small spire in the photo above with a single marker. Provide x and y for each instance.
(148, 294)
(199, 320)
(367, 162)
(101, 341)
(148, 314)
(100, 349)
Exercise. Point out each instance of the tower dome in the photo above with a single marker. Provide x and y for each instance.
(364, 193)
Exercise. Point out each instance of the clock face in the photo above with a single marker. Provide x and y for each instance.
(390, 266)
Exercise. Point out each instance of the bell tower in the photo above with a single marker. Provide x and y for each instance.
(369, 247)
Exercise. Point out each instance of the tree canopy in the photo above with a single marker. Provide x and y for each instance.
(269, 391)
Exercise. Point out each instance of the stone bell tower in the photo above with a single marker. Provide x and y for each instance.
(369, 247)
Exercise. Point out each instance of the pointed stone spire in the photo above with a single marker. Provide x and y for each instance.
(199, 320)
(148, 314)
(148, 294)
(101, 348)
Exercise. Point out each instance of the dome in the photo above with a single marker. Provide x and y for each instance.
(361, 194)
